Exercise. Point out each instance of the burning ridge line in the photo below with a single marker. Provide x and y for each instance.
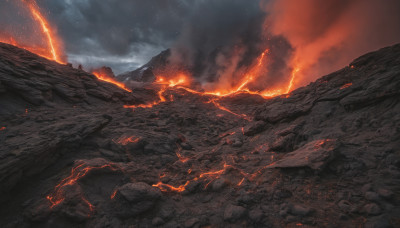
(250, 76)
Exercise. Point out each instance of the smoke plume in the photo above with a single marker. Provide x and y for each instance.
(327, 35)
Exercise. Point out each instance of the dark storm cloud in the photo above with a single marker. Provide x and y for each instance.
(134, 31)
(215, 31)
(127, 33)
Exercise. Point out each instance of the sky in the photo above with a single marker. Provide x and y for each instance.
(125, 34)
(215, 38)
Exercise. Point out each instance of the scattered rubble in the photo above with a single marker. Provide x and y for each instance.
(326, 155)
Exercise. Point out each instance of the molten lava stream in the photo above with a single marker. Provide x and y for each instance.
(182, 79)
(106, 78)
(54, 45)
(46, 29)
(77, 173)
(219, 106)
(346, 85)
(127, 140)
(215, 174)
(150, 105)
(248, 78)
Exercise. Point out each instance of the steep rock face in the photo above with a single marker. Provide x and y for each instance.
(38, 145)
(368, 80)
(326, 155)
(145, 73)
(25, 77)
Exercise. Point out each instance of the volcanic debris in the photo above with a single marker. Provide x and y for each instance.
(325, 155)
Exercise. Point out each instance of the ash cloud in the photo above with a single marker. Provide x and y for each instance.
(219, 38)
(99, 32)
(327, 35)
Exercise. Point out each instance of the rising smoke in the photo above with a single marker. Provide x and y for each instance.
(327, 35)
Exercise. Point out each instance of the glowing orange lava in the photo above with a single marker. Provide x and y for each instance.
(214, 174)
(346, 85)
(46, 29)
(125, 140)
(210, 176)
(77, 173)
(106, 78)
(114, 194)
(249, 77)
(182, 81)
(219, 106)
(180, 156)
(241, 182)
(54, 44)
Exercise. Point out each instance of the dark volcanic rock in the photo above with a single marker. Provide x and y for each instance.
(233, 213)
(72, 156)
(254, 128)
(145, 73)
(35, 146)
(136, 192)
(140, 198)
(316, 155)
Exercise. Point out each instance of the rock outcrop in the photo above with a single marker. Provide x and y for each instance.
(325, 155)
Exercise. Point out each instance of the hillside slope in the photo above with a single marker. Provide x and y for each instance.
(326, 155)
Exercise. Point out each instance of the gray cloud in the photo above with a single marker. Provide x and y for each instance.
(101, 32)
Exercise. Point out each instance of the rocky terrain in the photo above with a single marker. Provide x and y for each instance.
(79, 152)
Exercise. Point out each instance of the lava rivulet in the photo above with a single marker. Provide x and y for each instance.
(125, 140)
(54, 50)
(346, 85)
(211, 176)
(46, 29)
(106, 78)
(219, 106)
(182, 81)
(58, 196)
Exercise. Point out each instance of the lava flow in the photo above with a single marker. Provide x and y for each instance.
(346, 85)
(211, 175)
(127, 140)
(182, 81)
(103, 77)
(53, 51)
(58, 196)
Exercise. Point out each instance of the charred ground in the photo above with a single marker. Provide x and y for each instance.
(326, 155)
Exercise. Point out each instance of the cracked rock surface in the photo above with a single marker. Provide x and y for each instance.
(71, 155)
